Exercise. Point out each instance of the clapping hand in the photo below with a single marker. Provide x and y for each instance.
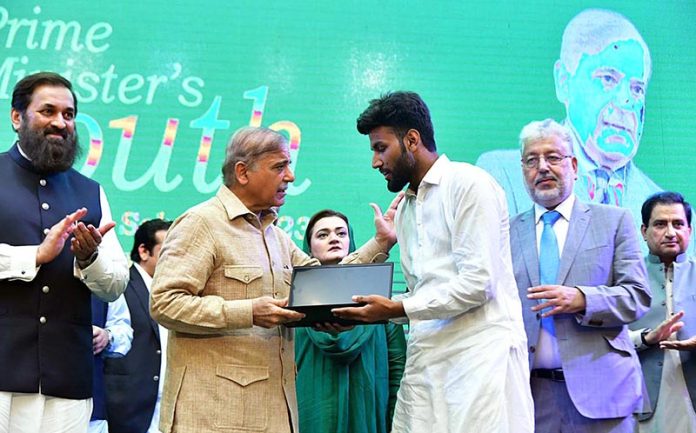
(55, 239)
(86, 239)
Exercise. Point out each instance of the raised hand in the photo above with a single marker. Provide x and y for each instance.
(665, 329)
(384, 223)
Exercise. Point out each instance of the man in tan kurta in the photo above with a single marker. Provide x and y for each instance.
(221, 283)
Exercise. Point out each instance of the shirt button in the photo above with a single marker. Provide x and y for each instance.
(46, 230)
(42, 182)
(159, 352)
(45, 289)
(532, 349)
(156, 378)
(42, 320)
(45, 206)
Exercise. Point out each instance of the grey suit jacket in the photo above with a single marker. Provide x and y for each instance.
(602, 258)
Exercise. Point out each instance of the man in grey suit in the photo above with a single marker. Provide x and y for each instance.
(581, 278)
(670, 375)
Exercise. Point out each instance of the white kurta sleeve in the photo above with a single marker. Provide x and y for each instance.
(18, 263)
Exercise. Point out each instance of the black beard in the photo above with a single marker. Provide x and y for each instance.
(49, 155)
(402, 172)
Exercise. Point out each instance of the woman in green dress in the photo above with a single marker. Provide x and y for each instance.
(347, 382)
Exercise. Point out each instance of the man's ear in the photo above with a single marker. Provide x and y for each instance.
(16, 118)
(574, 164)
(561, 76)
(241, 173)
(143, 253)
(643, 231)
(411, 139)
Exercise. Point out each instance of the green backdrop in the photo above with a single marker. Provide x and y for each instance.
(163, 84)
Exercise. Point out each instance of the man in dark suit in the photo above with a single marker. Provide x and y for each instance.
(581, 278)
(133, 389)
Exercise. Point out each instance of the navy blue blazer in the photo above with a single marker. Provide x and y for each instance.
(132, 382)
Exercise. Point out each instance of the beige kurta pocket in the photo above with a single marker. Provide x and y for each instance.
(241, 396)
(242, 282)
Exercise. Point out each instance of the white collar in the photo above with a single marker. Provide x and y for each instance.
(565, 208)
(147, 279)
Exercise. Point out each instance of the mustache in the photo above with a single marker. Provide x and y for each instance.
(543, 178)
(619, 119)
(55, 131)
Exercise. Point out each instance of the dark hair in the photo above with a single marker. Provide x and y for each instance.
(145, 235)
(307, 248)
(323, 214)
(24, 89)
(401, 111)
(664, 197)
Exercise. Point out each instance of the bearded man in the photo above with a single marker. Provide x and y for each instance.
(45, 289)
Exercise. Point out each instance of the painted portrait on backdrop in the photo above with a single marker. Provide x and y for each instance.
(601, 77)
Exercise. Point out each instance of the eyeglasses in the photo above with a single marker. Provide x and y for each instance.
(533, 161)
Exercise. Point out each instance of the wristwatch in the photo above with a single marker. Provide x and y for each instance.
(111, 338)
(643, 333)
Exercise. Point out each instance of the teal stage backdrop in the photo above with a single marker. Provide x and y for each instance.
(163, 84)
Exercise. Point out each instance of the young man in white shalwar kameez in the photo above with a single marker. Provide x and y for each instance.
(466, 367)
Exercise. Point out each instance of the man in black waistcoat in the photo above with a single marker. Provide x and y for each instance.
(45, 287)
(134, 382)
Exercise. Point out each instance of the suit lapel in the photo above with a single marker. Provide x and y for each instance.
(526, 231)
(577, 228)
(143, 296)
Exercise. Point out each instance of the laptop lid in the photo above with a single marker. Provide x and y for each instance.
(336, 284)
(316, 290)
